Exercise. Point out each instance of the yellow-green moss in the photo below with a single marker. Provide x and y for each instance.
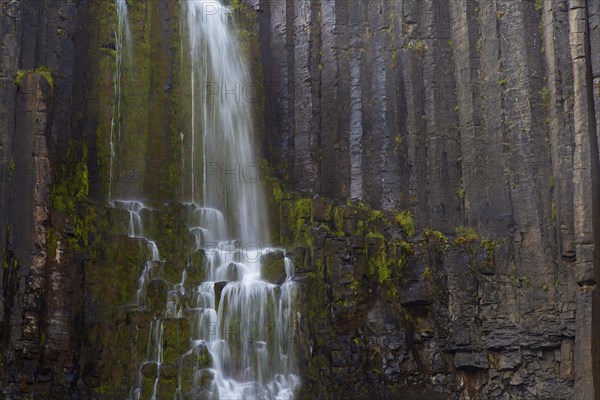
(418, 46)
(440, 241)
(378, 263)
(338, 220)
(301, 213)
(71, 180)
(465, 235)
(407, 223)
(545, 96)
(278, 193)
(45, 72)
(427, 274)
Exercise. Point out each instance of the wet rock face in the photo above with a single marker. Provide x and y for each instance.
(273, 267)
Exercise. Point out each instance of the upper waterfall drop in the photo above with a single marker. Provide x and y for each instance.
(224, 169)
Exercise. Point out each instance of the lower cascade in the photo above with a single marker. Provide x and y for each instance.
(225, 329)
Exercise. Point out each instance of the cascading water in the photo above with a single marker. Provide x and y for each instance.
(250, 343)
(240, 327)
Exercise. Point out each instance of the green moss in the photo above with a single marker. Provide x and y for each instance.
(502, 82)
(539, 6)
(51, 243)
(436, 235)
(378, 263)
(11, 167)
(427, 274)
(418, 46)
(338, 220)
(440, 241)
(545, 96)
(407, 248)
(108, 51)
(19, 76)
(406, 222)
(301, 214)
(465, 235)
(45, 72)
(383, 269)
(375, 215)
(71, 180)
(490, 250)
(278, 193)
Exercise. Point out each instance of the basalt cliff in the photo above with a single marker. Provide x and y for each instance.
(431, 167)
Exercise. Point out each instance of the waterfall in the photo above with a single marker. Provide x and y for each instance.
(227, 332)
(123, 41)
(246, 326)
(221, 121)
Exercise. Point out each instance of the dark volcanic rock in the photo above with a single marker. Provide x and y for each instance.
(466, 113)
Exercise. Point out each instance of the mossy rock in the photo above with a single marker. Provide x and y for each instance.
(197, 358)
(167, 382)
(112, 278)
(273, 267)
(199, 258)
(141, 320)
(149, 373)
(302, 259)
(322, 209)
(155, 269)
(353, 212)
(190, 364)
(196, 271)
(204, 387)
(119, 221)
(193, 279)
(156, 296)
(176, 338)
(172, 272)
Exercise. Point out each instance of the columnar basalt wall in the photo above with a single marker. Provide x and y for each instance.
(434, 169)
(474, 113)
(42, 69)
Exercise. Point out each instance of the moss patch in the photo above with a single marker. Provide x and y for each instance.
(45, 72)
